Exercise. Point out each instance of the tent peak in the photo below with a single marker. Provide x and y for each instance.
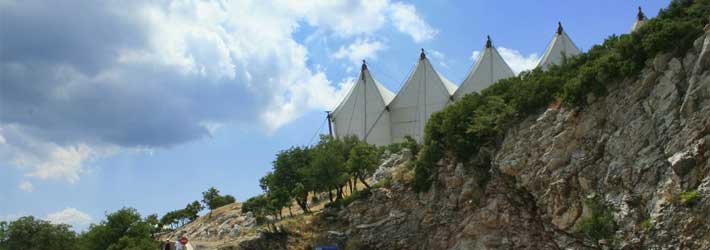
(640, 16)
(488, 42)
(422, 56)
(559, 28)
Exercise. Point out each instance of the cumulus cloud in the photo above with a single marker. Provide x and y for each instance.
(71, 216)
(156, 74)
(517, 61)
(26, 186)
(407, 20)
(361, 49)
(440, 57)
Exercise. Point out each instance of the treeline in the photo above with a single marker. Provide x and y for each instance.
(123, 229)
(331, 166)
(211, 199)
(480, 120)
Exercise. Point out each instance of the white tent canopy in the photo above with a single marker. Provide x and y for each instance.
(640, 20)
(560, 47)
(363, 111)
(424, 93)
(488, 69)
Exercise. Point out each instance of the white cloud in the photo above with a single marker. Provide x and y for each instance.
(47, 160)
(406, 20)
(63, 163)
(169, 73)
(361, 49)
(517, 61)
(26, 186)
(71, 216)
(439, 57)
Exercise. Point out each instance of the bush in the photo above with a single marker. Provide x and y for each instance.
(344, 202)
(689, 198)
(600, 223)
(646, 224)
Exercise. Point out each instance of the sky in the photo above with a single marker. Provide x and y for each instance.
(146, 104)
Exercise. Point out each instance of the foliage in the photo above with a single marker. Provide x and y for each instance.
(327, 169)
(363, 161)
(478, 120)
(123, 229)
(409, 143)
(30, 233)
(181, 216)
(357, 195)
(646, 224)
(689, 198)
(289, 177)
(599, 224)
(212, 199)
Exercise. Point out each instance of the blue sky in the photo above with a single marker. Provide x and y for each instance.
(147, 104)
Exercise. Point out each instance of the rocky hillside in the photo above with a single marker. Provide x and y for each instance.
(628, 171)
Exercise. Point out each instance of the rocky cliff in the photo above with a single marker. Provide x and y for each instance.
(629, 171)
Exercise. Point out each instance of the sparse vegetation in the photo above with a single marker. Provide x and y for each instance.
(646, 224)
(689, 198)
(599, 224)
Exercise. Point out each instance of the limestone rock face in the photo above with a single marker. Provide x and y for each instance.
(643, 151)
(636, 150)
(226, 222)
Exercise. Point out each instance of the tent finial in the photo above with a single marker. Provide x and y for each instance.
(364, 65)
(640, 15)
(559, 28)
(422, 56)
(488, 42)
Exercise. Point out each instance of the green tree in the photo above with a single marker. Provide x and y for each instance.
(192, 210)
(290, 175)
(123, 229)
(327, 167)
(30, 233)
(212, 199)
(363, 161)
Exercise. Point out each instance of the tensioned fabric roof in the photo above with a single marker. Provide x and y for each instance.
(488, 69)
(560, 47)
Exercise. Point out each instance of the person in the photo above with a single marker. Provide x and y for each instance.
(167, 245)
(180, 246)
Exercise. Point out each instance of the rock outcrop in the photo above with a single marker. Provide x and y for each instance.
(642, 152)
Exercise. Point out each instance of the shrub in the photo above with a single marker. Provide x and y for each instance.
(344, 202)
(689, 198)
(599, 224)
(646, 224)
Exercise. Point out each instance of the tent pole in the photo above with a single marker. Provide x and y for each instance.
(330, 127)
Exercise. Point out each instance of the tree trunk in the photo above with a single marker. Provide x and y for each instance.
(289, 211)
(363, 182)
(339, 193)
(330, 195)
(303, 204)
